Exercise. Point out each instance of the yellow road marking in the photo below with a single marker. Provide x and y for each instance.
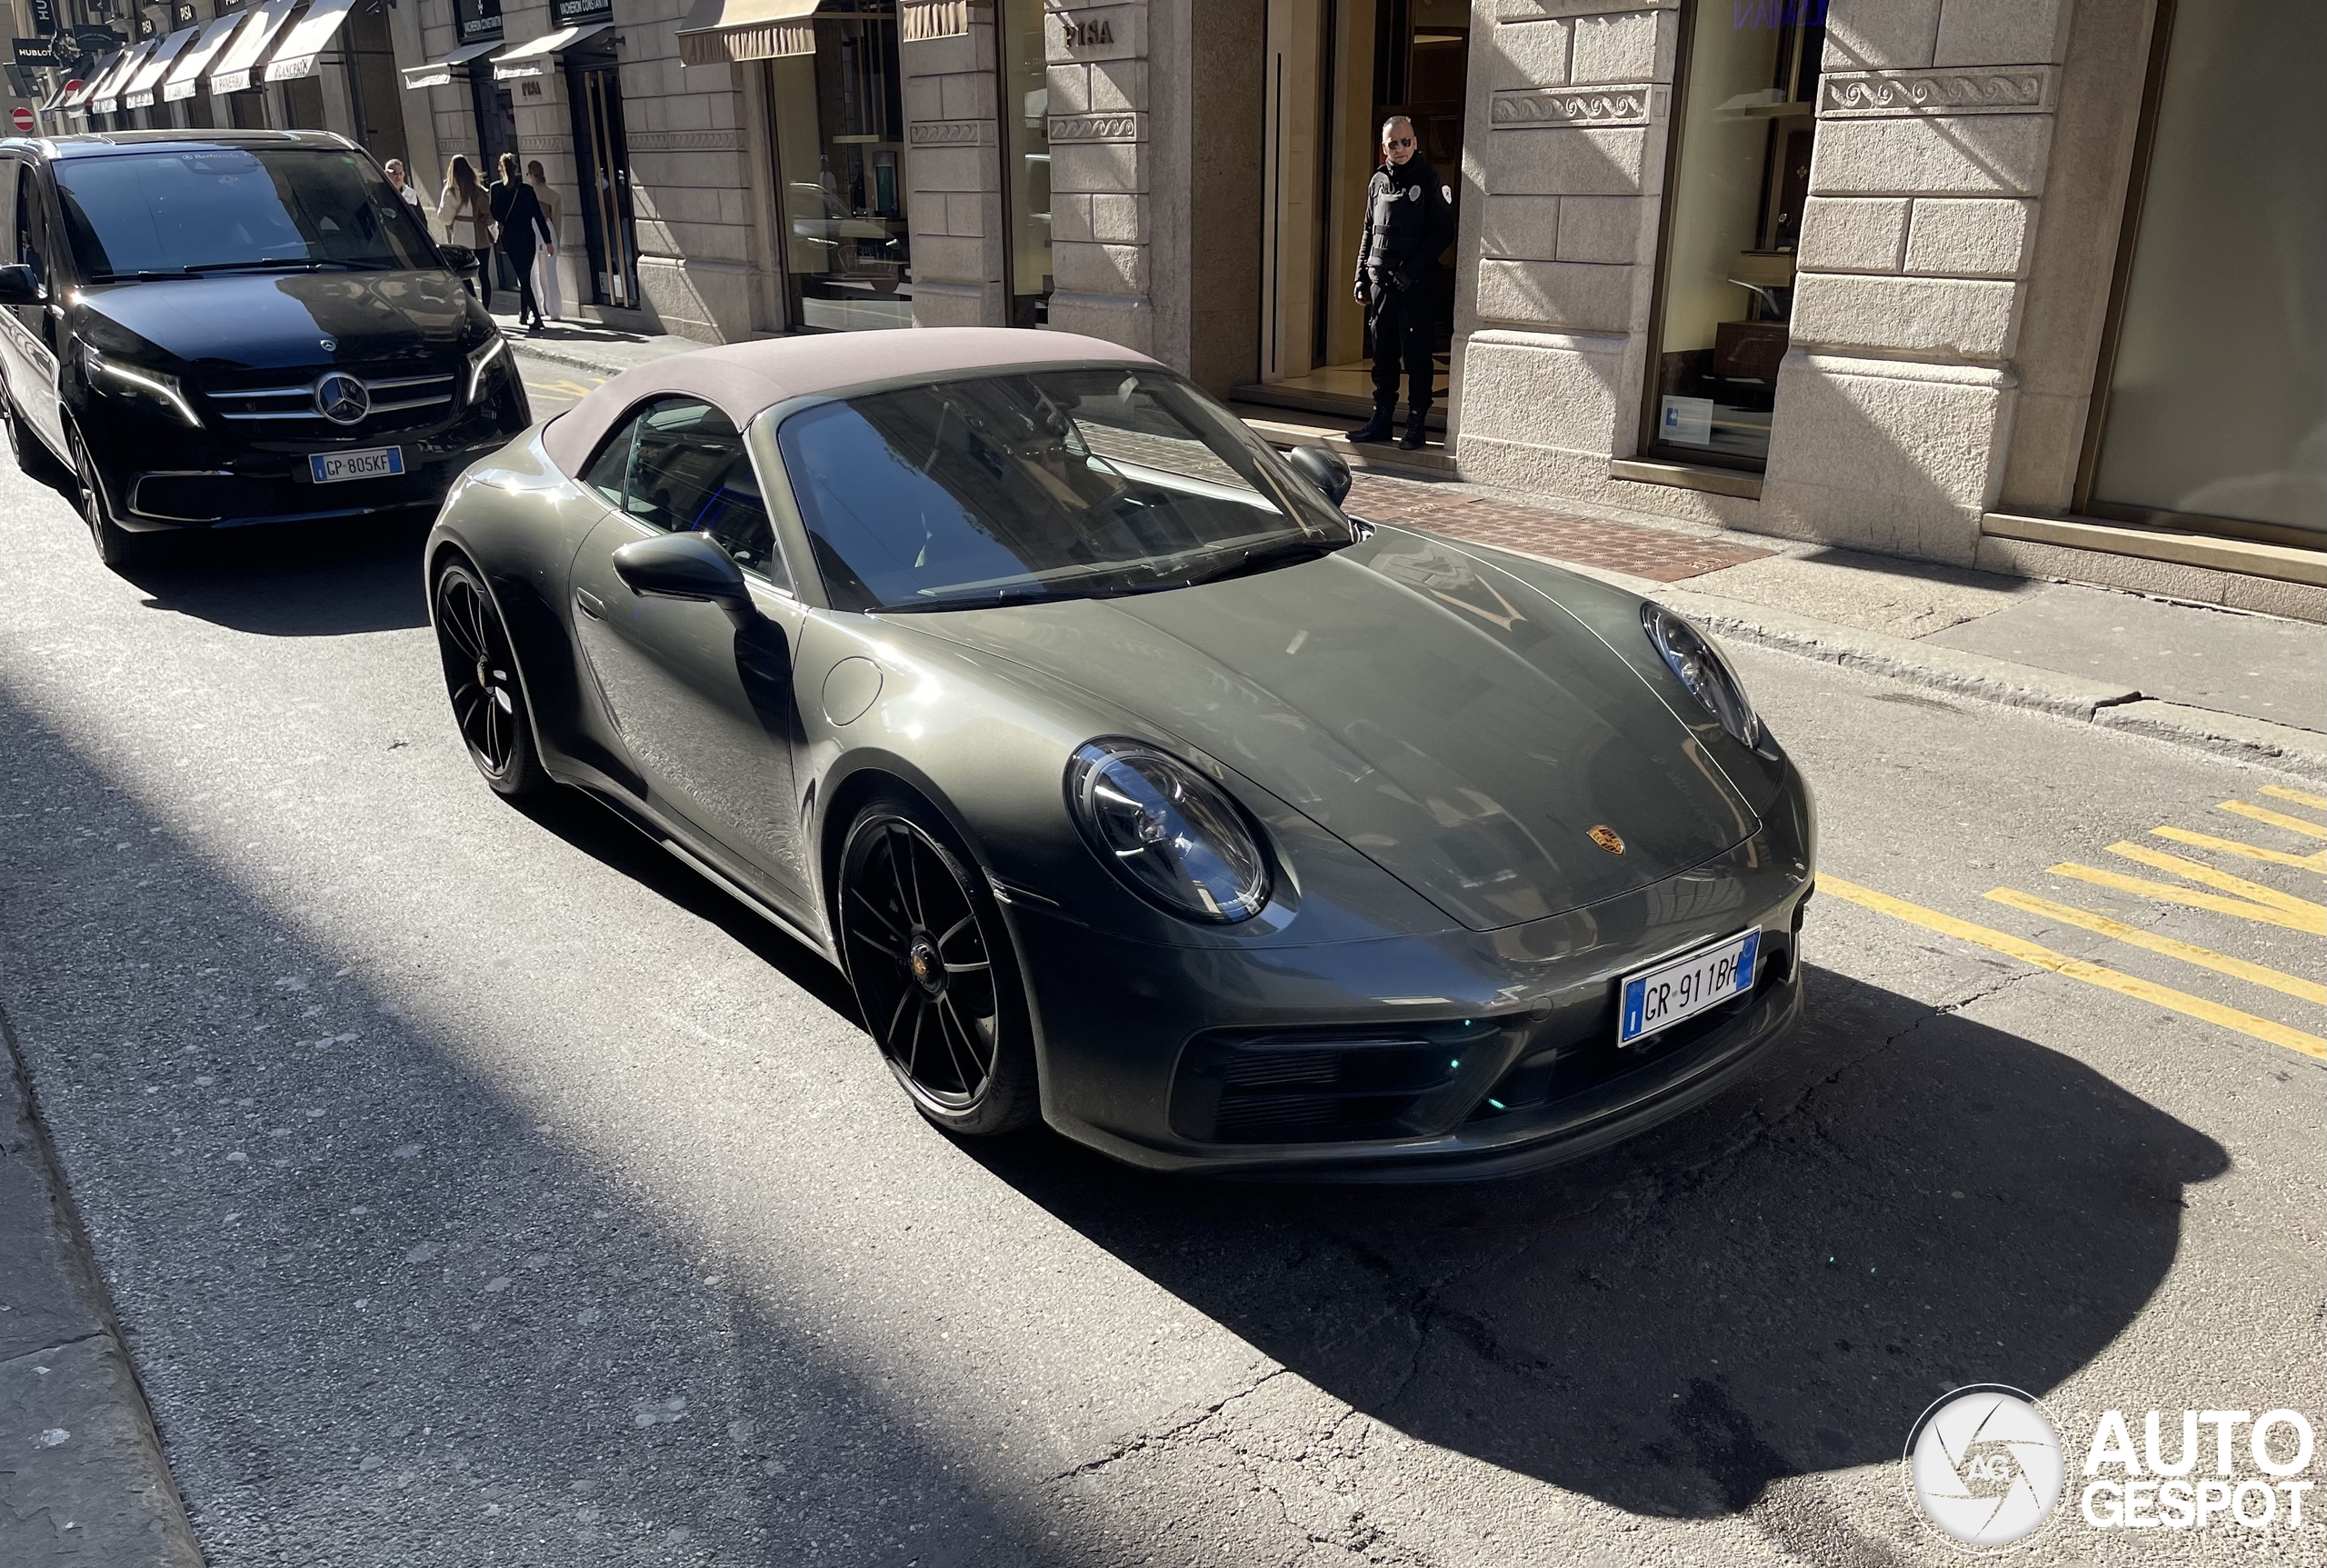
(2099, 974)
(2245, 909)
(2276, 818)
(2241, 847)
(2204, 958)
(2220, 880)
(2316, 802)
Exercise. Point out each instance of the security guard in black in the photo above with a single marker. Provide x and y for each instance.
(1409, 224)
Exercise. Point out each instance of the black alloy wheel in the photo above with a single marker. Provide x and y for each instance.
(117, 547)
(934, 971)
(481, 677)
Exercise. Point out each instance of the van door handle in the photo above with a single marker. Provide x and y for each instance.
(592, 606)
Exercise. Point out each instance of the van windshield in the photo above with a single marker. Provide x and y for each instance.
(195, 210)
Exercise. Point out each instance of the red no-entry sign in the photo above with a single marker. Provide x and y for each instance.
(22, 119)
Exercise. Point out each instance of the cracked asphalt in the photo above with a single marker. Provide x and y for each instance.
(476, 1186)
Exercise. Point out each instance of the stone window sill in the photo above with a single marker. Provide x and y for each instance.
(1686, 476)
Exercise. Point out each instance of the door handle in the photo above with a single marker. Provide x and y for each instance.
(592, 606)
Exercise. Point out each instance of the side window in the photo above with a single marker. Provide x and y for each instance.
(689, 471)
(606, 472)
(30, 229)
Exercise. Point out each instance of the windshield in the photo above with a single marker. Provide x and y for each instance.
(216, 209)
(1047, 485)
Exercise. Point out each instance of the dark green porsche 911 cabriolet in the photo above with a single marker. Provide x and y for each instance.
(1135, 786)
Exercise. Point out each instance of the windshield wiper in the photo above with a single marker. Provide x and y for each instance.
(304, 263)
(1260, 558)
(981, 601)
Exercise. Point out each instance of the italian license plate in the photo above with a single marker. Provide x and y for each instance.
(371, 463)
(1681, 988)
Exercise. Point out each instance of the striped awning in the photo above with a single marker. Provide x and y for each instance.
(76, 102)
(185, 76)
(107, 97)
(138, 92)
(303, 49)
(720, 32)
(237, 68)
(440, 73)
(535, 58)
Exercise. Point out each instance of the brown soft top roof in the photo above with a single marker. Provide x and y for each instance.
(742, 379)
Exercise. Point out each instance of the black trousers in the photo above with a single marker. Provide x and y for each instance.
(520, 257)
(1405, 329)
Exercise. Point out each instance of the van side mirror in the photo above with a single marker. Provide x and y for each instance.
(1324, 468)
(19, 286)
(686, 567)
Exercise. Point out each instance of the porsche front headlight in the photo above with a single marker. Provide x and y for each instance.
(1702, 669)
(1168, 831)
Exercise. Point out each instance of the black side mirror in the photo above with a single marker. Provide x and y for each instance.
(686, 567)
(19, 286)
(1324, 468)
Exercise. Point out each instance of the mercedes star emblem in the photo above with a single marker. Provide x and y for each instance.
(342, 399)
(331, 346)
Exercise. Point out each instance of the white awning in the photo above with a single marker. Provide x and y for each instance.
(139, 92)
(185, 76)
(55, 103)
(304, 49)
(237, 68)
(717, 31)
(76, 102)
(535, 58)
(107, 97)
(440, 73)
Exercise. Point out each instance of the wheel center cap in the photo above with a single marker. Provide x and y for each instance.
(927, 968)
(481, 678)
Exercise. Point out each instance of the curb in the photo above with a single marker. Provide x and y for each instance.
(82, 1476)
(1980, 677)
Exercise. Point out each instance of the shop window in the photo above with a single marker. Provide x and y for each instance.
(839, 118)
(2211, 408)
(1026, 144)
(1734, 194)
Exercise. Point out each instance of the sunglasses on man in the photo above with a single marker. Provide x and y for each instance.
(1399, 142)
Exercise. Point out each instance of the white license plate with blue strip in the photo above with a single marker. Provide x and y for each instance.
(1680, 988)
(372, 463)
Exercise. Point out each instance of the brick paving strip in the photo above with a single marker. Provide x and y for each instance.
(1651, 552)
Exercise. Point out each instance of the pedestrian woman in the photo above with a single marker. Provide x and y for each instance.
(1409, 224)
(465, 214)
(518, 213)
(545, 279)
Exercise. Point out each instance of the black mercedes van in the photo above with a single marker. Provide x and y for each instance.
(206, 329)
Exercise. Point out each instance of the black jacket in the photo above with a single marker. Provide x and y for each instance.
(519, 213)
(1409, 224)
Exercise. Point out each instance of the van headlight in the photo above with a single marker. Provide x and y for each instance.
(481, 360)
(1168, 831)
(1702, 669)
(117, 378)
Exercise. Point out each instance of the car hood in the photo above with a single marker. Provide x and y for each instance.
(273, 320)
(1452, 724)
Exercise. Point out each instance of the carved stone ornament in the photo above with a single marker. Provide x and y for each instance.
(1119, 125)
(1540, 108)
(1982, 90)
(952, 133)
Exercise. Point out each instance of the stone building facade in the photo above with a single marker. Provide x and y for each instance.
(2031, 285)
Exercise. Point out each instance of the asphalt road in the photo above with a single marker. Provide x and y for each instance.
(475, 1185)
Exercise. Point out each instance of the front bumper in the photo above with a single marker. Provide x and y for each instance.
(1448, 1055)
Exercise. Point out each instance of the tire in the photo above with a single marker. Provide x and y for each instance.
(117, 547)
(934, 971)
(32, 453)
(481, 678)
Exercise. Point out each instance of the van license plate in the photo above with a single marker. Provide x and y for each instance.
(372, 463)
(1682, 987)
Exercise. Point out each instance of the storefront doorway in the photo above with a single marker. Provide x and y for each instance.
(602, 168)
(839, 125)
(1335, 70)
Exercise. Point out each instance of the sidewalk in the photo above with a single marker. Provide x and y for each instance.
(2231, 682)
(81, 1473)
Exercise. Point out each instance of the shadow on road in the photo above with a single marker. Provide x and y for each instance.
(311, 580)
(1904, 1202)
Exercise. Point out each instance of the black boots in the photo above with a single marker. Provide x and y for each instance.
(1378, 428)
(1417, 419)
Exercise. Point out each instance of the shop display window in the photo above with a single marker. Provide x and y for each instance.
(841, 165)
